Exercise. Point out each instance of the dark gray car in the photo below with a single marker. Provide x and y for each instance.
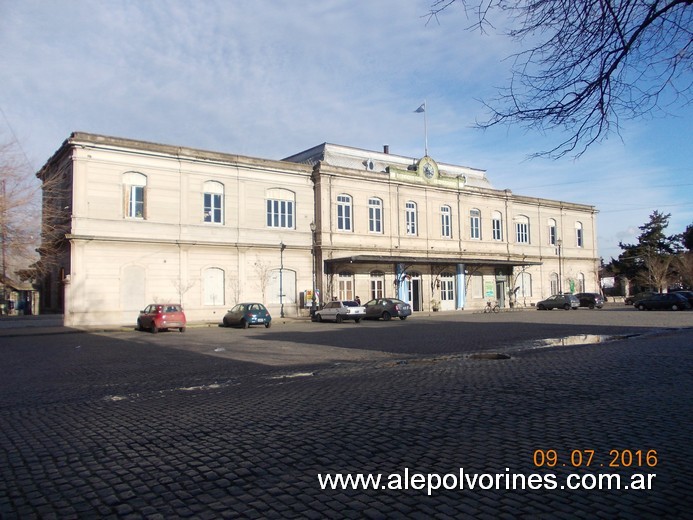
(387, 308)
(559, 301)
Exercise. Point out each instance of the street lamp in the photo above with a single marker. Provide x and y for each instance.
(282, 246)
(559, 243)
(312, 255)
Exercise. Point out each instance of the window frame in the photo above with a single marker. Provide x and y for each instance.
(497, 226)
(375, 215)
(522, 230)
(215, 206)
(475, 224)
(446, 221)
(579, 235)
(410, 217)
(344, 213)
(280, 209)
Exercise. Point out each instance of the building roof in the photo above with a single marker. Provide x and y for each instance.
(378, 162)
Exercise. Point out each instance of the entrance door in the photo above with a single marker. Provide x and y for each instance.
(500, 294)
(415, 294)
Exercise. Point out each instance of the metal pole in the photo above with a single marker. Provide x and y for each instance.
(281, 275)
(559, 243)
(312, 253)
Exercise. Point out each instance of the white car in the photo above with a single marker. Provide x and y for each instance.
(341, 310)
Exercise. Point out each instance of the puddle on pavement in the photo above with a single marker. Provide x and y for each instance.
(577, 339)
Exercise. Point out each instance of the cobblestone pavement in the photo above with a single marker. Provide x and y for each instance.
(128, 426)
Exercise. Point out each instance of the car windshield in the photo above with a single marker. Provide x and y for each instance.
(350, 304)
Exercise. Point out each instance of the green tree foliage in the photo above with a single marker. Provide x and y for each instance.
(687, 237)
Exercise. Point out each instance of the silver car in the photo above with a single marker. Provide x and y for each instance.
(340, 310)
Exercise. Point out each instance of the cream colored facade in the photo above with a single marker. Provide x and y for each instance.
(146, 222)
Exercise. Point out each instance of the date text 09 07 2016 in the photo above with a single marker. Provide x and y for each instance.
(586, 457)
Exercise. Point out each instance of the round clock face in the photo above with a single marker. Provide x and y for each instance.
(428, 170)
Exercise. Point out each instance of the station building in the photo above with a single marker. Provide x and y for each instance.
(127, 223)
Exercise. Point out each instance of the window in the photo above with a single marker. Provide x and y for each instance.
(447, 287)
(344, 212)
(213, 199)
(522, 230)
(213, 286)
(477, 286)
(524, 283)
(497, 224)
(135, 195)
(375, 215)
(445, 219)
(581, 282)
(410, 214)
(377, 284)
(578, 234)
(345, 286)
(280, 208)
(555, 289)
(475, 224)
(552, 232)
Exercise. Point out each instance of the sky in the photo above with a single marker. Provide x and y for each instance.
(270, 78)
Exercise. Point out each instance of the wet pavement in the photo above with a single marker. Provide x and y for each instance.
(229, 423)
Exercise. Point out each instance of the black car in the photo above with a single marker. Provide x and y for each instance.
(686, 294)
(629, 300)
(672, 301)
(590, 300)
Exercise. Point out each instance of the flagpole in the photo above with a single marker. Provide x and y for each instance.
(425, 131)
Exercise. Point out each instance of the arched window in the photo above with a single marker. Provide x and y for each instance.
(553, 232)
(578, 234)
(213, 286)
(410, 217)
(445, 222)
(555, 288)
(213, 202)
(377, 284)
(475, 224)
(375, 215)
(497, 224)
(447, 287)
(581, 282)
(524, 282)
(345, 286)
(280, 208)
(522, 229)
(135, 196)
(344, 212)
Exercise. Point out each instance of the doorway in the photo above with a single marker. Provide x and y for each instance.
(500, 294)
(415, 294)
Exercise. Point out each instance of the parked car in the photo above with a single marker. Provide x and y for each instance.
(686, 294)
(387, 308)
(341, 310)
(162, 316)
(639, 296)
(672, 301)
(590, 300)
(559, 301)
(247, 314)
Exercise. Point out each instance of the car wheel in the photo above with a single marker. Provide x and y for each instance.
(386, 316)
(182, 329)
(641, 307)
(674, 307)
(153, 328)
(268, 324)
(567, 306)
(139, 325)
(591, 306)
(245, 324)
(357, 320)
(319, 317)
(541, 308)
(338, 318)
(402, 317)
(226, 322)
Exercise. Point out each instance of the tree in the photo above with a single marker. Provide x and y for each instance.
(648, 260)
(20, 199)
(590, 63)
(687, 237)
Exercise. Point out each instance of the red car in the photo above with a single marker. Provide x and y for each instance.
(161, 316)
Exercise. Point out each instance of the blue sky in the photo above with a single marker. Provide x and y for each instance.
(271, 78)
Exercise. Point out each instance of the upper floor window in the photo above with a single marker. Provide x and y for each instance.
(280, 208)
(445, 222)
(552, 232)
(344, 213)
(213, 202)
(375, 215)
(135, 185)
(579, 239)
(475, 224)
(522, 229)
(410, 214)
(497, 225)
